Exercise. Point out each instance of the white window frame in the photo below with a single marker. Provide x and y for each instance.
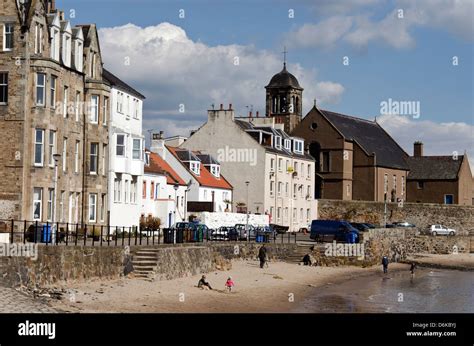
(94, 109)
(50, 205)
(11, 32)
(298, 146)
(117, 145)
(41, 87)
(135, 150)
(4, 84)
(52, 147)
(41, 144)
(104, 158)
(66, 53)
(78, 105)
(61, 206)
(52, 90)
(403, 186)
(76, 156)
(195, 167)
(38, 201)
(65, 101)
(55, 44)
(92, 207)
(105, 111)
(278, 142)
(103, 203)
(96, 158)
(64, 154)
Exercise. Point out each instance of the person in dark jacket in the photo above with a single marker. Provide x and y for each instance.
(262, 255)
(385, 264)
(307, 260)
(203, 283)
(412, 269)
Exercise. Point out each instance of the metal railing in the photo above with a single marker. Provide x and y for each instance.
(66, 234)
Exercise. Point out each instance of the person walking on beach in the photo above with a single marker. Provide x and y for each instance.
(229, 284)
(203, 283)
(412, 269)
(262, 255)
(385, 264)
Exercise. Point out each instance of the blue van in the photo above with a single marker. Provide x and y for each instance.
(332, 230)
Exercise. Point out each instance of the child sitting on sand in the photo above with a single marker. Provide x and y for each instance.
(229, 284)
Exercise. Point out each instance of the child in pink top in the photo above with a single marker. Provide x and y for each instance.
(229, 284)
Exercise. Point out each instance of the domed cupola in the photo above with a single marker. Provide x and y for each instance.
(284, 99)
(284, 79)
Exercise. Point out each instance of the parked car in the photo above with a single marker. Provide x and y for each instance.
(245, 232)
(332, 230)
(222, 233)
(279, 229)
(441, 230)
(360, 226)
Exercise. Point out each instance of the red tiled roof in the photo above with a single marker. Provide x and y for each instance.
(206, 178)
(160, 166)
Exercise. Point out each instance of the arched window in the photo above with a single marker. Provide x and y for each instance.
(293, 104)
(274, 105)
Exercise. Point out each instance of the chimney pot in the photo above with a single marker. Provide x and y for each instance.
(230, 106)
(250, 114)
(222, 107)
(257, 114)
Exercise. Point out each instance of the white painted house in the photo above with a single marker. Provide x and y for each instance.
(163, 191)
(208, 188)
(126, 144)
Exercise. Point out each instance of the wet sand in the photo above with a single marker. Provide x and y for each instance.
(281, 287)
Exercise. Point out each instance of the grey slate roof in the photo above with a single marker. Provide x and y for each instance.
(434, 167)
(186, 155)
(244, 125)
(207, 159)
(371, 137)
(115, 81)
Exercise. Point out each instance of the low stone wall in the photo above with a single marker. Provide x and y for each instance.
(63, 264)
(461, 218)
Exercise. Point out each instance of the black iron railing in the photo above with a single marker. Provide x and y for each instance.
(66, 234)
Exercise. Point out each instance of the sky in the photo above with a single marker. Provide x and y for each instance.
(351, 56)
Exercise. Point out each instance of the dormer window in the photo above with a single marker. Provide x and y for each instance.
(288, 144)
(298, 146)
(195, 167)
(215, 170)
(78, 49)
(55, 44)
(277, 142)
(66, 53)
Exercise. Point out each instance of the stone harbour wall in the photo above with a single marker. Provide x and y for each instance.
(62, 264)
(461, 218)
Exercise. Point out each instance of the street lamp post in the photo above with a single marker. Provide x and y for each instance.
(175, 186)
(247, 222)
(56, 158)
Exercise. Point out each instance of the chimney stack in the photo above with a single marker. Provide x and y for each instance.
(222, 106)
(418, 149)
(230, 106)
(250, 114)
(158, 144)
(257, 114)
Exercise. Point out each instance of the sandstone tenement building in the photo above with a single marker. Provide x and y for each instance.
(52, 102)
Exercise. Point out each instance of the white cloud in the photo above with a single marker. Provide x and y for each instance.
(322, 34)
(171, 69)
(438, 138)
(353, 22)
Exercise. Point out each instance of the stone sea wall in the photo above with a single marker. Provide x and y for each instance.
(461, 218)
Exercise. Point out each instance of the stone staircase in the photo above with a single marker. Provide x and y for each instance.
(303, 249)
(144, 263)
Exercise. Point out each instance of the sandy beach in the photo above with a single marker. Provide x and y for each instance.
(278, 288)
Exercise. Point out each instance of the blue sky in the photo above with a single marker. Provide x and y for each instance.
(406, 58)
